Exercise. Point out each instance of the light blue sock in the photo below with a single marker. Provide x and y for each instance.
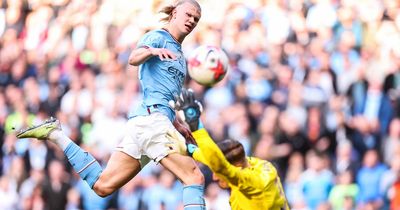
(83, 163)
(193, 197)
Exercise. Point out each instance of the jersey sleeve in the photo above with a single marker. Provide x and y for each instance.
(209, 154)
(151, 39)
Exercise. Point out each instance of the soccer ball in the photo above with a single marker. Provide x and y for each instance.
(208, 65)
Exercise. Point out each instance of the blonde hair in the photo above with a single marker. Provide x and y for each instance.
(169, 9)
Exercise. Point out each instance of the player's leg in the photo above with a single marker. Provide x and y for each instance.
(153, 133)
(157, 131)
(187, 171)
(120, 169)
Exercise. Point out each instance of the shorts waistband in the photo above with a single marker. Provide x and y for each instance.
(145, 110)
(152, 108)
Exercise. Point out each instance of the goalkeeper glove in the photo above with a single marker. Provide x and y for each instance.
(189, 109)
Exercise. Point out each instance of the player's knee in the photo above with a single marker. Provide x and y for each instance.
(195, 177)
(198, 177)
(102, 190)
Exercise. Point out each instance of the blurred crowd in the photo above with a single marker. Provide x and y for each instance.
(313, 86)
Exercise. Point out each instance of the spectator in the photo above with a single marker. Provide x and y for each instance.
(130, 196)
(9, 195)
(345, 159)
(162, 195)
(216, 198)
(394, 195)
(391, 143)
(317, 180)
(371, 114)
(389, 179)
(368, 179)
(293, 188)
(56, 187)
(28, 187)
(344, 189)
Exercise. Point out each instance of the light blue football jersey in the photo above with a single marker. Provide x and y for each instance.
(160, 80)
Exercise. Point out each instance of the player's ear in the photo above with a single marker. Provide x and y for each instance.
(173, 14)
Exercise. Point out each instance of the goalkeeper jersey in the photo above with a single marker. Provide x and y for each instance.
(255, 187)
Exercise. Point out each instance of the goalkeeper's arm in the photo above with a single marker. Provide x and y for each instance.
(207, 152)
(189, 111)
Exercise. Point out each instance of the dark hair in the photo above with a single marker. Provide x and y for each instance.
(233, 151)
(169, 9)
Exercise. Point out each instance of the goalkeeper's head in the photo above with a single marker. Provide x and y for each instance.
(234, 152)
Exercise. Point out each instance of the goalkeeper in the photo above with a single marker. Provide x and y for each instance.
(254, 183)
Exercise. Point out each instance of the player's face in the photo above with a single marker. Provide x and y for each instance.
(186, 17)
(221, 183)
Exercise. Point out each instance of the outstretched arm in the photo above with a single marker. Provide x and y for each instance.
(151, 44)
(207, 152)
(141, 54)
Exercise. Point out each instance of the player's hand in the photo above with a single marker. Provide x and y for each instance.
(188, 108)
(182, 129)
(163, 53)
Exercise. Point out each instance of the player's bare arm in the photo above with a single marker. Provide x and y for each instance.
(141, 54)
